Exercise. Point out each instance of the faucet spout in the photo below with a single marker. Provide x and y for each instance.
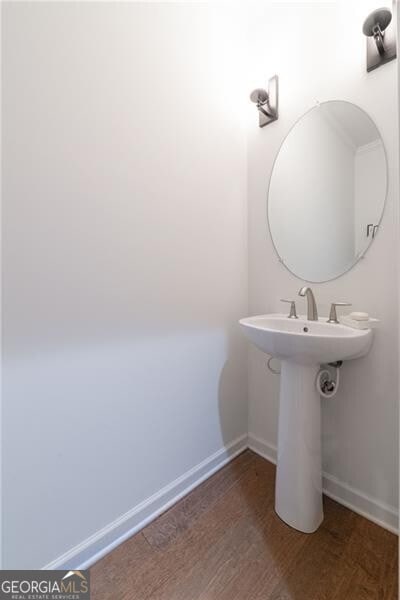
(312, 312)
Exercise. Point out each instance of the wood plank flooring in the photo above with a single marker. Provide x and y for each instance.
(225, 542)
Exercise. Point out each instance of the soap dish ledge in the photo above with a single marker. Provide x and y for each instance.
(370, 324)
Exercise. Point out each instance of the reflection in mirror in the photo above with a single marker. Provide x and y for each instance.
(327, 191)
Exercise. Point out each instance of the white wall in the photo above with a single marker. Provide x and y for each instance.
(305, 45)
(125, 260)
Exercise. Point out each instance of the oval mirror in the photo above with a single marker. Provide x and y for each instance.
(327, 191)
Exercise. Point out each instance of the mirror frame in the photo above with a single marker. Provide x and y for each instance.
(362, 254)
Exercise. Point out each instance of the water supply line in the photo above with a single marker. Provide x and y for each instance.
(326, 384)
(274, 371)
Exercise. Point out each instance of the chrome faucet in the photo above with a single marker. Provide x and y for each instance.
(312, 313)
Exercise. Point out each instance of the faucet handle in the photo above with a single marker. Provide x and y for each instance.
(333, 314)
(292, 314)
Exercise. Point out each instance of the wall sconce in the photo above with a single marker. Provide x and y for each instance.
(381, 38)
(267, 102)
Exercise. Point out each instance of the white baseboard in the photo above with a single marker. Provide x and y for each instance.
(103, 541)
(262, 448)
(371, 508)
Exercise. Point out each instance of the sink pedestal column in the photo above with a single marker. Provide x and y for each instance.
(298, 493)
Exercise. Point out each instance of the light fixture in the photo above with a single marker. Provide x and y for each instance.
(381, 39)
(267, 102)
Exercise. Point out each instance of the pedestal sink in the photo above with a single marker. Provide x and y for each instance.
(302, 346)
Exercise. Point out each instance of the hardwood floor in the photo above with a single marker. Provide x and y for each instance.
(225, 542)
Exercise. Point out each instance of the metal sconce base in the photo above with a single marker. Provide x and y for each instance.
(374, 59)
(268, 112)
(381, 38)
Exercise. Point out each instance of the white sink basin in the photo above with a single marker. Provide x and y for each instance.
(302, 346)
(306, 342)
